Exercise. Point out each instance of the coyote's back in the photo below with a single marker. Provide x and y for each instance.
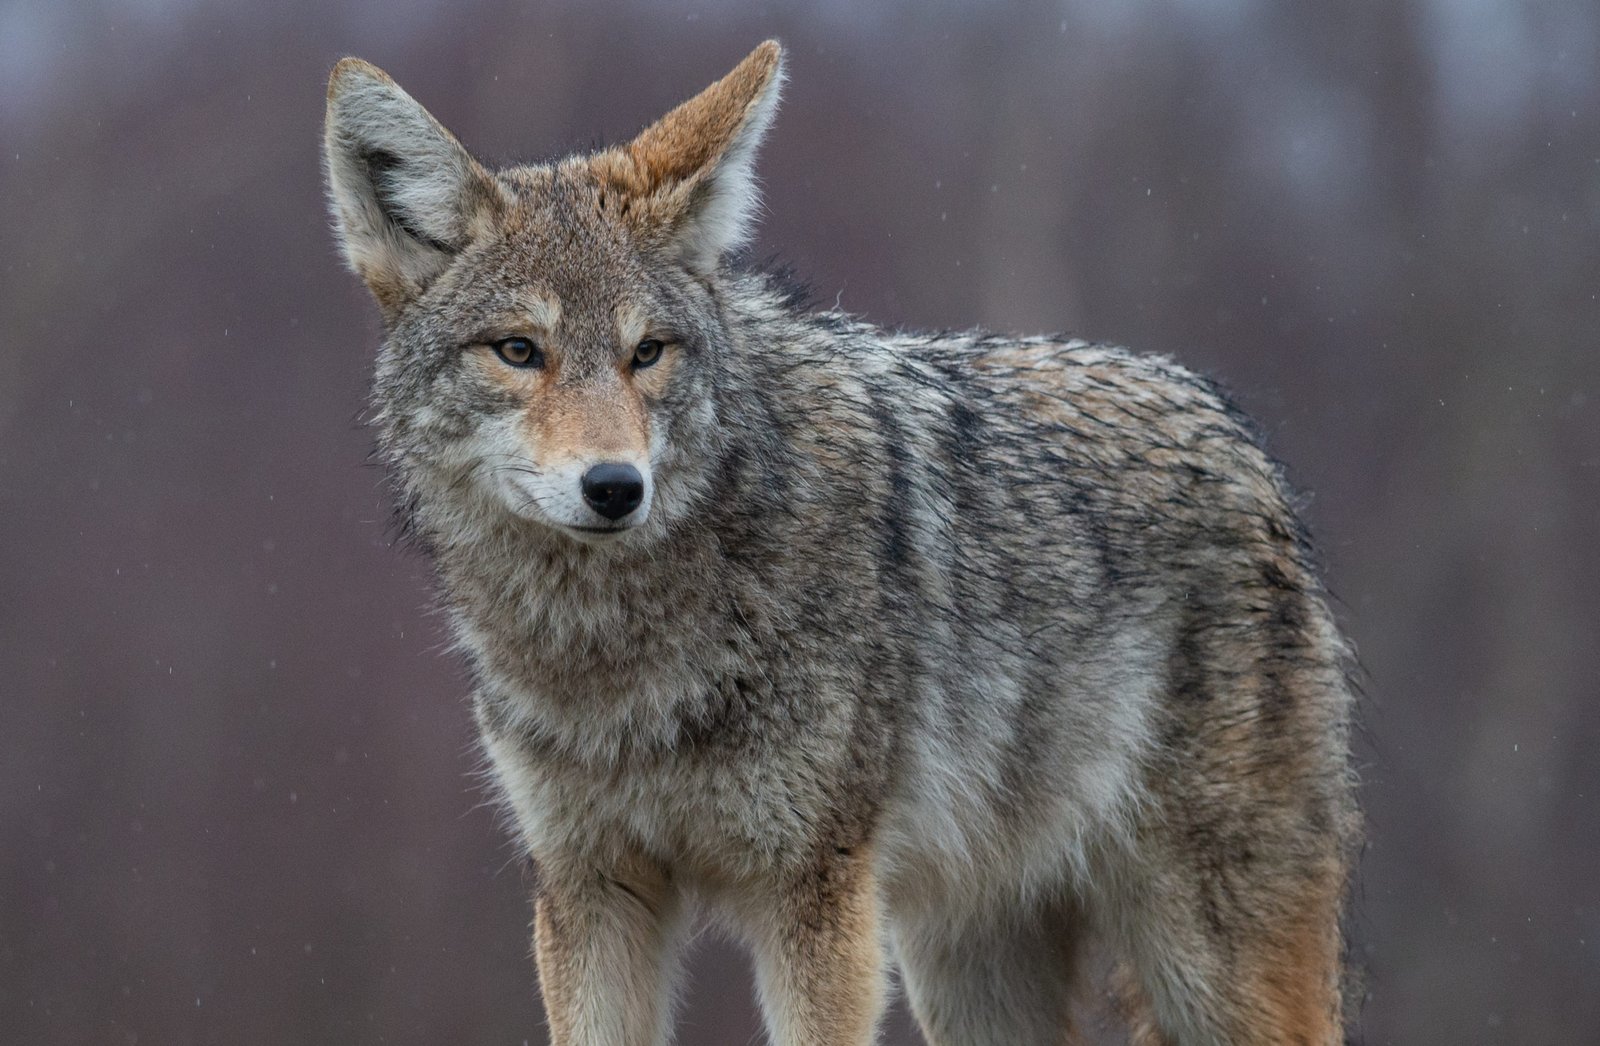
(939, 650)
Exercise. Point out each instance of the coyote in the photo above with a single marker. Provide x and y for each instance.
(933, 652)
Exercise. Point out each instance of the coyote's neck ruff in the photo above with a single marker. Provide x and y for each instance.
(944, 650)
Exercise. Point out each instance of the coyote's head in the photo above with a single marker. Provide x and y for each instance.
(552, 331)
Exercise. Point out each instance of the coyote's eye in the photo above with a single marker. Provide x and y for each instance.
(646, 353)
(519, 352)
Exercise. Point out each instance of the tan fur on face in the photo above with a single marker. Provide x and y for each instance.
(590, 423)
(633, 326)
(653, 381)
(598, 420)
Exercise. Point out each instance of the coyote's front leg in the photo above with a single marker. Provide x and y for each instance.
(606, 940)
(819, 954)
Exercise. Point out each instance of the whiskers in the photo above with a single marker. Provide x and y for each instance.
(516, 465)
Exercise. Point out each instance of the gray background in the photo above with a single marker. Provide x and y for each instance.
(238, 793)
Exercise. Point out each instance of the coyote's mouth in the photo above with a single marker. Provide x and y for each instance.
(588, 535)
(552, 502)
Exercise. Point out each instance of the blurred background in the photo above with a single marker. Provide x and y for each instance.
(238, 800)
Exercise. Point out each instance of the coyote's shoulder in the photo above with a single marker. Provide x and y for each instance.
(941, 649)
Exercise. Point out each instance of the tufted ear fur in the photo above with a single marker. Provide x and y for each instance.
(406, 197)
(694, 169)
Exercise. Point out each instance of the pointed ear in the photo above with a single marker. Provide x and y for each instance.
(696, 165)
(406, 197)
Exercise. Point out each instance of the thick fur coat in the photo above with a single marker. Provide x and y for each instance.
(940, 651)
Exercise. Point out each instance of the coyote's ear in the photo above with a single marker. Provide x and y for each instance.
(695, 166)
(405, 195)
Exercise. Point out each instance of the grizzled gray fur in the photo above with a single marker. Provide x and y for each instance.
(938, 651)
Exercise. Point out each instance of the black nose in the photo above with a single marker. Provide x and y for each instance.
(612, 489)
